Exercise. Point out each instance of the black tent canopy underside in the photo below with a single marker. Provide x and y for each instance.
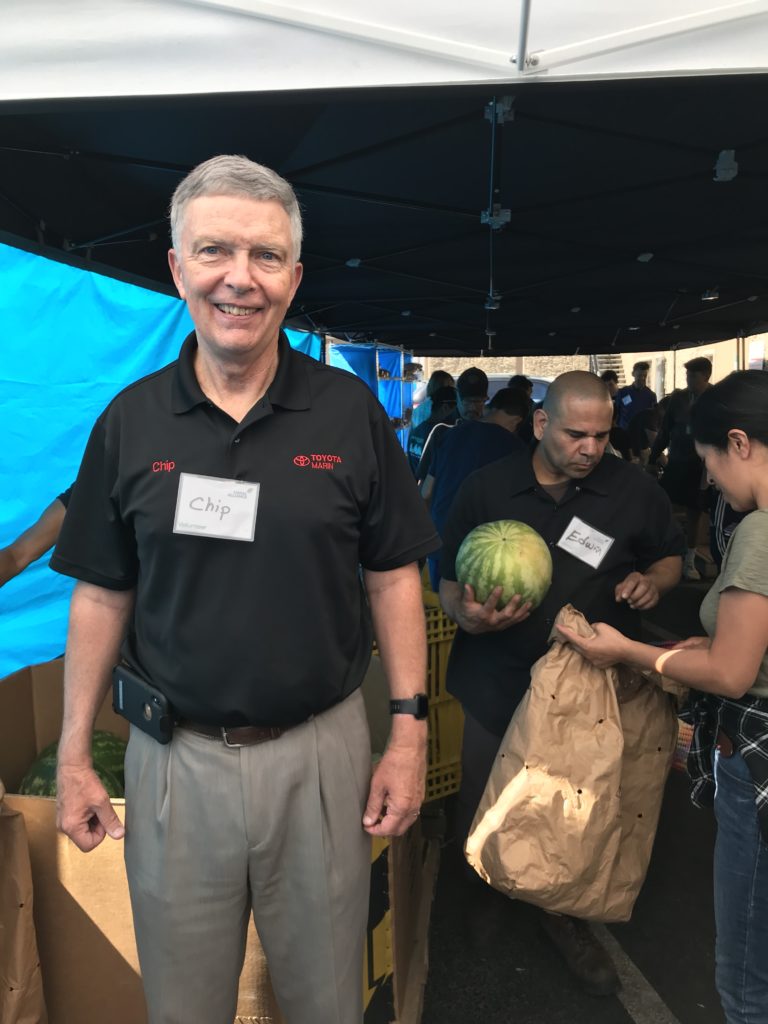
(616, 227)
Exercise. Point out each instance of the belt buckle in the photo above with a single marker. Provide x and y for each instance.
(227, 743)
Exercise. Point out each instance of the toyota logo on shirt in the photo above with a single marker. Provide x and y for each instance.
(317, 461)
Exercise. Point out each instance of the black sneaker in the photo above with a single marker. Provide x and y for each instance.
(586, 958)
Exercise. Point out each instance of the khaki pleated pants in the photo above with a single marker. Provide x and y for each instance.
(213, 833)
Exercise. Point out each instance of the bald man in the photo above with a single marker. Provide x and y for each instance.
(615, 550)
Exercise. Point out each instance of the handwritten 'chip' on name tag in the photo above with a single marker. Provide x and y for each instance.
(585, 542)
(209, 506)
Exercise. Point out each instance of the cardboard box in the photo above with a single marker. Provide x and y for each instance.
(82, 909)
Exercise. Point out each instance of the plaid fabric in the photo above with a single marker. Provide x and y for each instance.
(745, 722)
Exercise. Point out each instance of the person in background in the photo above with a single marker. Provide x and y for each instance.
(425, 409)
(35, 540)
(618, 442)
(564, 485)
(635, 397)
(683, 477)
(642, 432)
(471, 396)
(524, 384)
(244, 577)
(471, 445)
(611, 379)
(443, 403)
(728, 674)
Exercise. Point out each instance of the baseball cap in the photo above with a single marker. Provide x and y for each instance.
(472, 383)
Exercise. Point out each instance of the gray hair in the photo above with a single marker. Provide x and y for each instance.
(235, 176)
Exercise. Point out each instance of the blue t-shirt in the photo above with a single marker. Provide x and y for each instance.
(631, 400)
(470, 445)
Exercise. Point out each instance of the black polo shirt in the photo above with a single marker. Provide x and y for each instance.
(490, 672)
(268, 631)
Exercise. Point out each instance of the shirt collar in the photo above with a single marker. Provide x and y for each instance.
(598, 481)
(289, 389)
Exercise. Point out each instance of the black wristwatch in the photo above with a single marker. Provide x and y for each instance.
(418, 706)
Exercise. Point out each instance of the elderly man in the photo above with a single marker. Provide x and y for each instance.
(564, 487)
(222, 512)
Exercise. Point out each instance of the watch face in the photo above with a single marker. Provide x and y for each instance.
(422, 705)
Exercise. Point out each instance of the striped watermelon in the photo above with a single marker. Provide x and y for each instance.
(505, 554)
(108, 752)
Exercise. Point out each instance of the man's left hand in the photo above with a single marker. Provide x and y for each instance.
(639, 591)
(397, 790)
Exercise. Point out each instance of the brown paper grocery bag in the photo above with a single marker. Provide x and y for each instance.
(569, 813)
(649, 723)
(21, 982)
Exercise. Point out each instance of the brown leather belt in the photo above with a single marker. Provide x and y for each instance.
(724, 744)
(237, 735)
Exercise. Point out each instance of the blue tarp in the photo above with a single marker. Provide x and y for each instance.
(361, 359)
(70, 340)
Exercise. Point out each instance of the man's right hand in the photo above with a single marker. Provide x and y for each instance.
(83, 810)
(474, 617)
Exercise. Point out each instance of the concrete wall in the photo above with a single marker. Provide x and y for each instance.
(537, 366)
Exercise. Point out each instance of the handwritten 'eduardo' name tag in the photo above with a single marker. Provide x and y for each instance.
(209, 506)
(585, 542)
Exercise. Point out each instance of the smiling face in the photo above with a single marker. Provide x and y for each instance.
(235, 271)
(572, 439)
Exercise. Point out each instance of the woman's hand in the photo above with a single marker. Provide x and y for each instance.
(607, 647)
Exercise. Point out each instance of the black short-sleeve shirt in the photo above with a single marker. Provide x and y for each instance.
(490, 672)
(268, 631)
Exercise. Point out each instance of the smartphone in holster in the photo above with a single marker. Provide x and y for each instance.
(141, 704)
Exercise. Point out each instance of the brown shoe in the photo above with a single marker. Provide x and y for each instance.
(586, 958)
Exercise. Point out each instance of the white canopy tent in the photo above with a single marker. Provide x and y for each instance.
(579, 136)
(81, 48)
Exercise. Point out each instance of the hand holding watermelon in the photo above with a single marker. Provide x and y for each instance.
(505, 570)
(486, 617)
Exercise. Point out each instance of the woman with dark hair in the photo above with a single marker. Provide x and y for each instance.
(728, 672)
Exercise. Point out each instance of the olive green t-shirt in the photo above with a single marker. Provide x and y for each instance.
(745, 566)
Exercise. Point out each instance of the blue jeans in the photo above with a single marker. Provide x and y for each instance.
(741, 896)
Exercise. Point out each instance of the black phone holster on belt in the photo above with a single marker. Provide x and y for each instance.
(141, 704)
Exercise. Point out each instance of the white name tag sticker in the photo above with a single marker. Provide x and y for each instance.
(585, 542)
(208, 506)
